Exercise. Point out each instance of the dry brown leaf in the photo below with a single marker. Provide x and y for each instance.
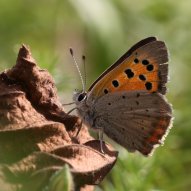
(37, 137)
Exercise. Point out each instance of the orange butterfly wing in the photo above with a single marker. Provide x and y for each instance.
(141, 68)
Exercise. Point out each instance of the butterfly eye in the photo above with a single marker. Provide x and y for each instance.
(81, 96)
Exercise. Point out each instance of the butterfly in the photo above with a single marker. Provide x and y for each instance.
(127, 101)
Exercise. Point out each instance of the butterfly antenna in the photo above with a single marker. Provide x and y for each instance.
(85, 76)
(76, 64)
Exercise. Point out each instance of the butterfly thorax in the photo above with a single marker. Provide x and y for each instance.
(83, 109)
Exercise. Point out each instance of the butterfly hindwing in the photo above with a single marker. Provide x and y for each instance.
(143, 68)
(135, 120)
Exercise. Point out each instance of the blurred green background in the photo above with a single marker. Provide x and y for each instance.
(103, 30)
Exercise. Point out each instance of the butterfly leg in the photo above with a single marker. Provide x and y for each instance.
(79, 129)
(65, 104)
(71, 110)
(101, 139)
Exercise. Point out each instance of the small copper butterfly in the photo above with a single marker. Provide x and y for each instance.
(127, 101)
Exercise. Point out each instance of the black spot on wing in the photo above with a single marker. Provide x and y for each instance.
(105, 91)
(142, 77)
(145, 62)
(115, 83)
(150, 67)
(136, 60)
(148, 85)
(129, 73)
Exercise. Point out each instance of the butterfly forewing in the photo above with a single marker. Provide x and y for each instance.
(124, 57)
(143, 69)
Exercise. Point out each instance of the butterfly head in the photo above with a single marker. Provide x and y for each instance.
(79, 97)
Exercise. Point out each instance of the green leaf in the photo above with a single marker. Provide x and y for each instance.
(61, 180)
